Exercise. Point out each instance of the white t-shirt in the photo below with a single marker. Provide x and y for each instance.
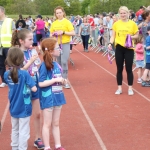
(96, 21)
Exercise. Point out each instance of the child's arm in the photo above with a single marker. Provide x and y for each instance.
(52, 81)
(148, 48)
(139, 49)
(27, 65)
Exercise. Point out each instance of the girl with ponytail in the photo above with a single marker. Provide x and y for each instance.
(51, 93)
(20, 84)
(24, 40)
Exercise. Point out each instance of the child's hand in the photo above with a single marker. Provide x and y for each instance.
(34, 57)
(59, 79)
(110, 46)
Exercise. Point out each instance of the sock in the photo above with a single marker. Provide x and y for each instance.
(57, 146)
(47, 148)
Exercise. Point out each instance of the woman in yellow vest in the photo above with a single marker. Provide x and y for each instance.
(121, 29)
(63, 30)
(6, 27)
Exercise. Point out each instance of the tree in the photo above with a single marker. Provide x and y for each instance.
(21, 7)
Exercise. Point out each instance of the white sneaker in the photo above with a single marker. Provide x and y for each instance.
(130, 92)
(3, 85)
(118, 92)
(139, 81)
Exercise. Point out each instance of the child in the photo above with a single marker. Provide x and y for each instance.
(100, 35)
(19, 83)
(51, 94)
(20, 26)
(147, 68)
(139, 50)
(24, 38)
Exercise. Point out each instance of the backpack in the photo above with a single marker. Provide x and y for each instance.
(140, 18)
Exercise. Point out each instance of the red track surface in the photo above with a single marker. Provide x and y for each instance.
(94, 118)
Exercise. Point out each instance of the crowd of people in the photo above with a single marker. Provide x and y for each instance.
(35, 85)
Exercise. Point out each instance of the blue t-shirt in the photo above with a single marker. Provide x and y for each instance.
(53, 95)
(19, 94)
(33, 71)
(147, 51)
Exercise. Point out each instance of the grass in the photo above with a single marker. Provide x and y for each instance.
(25, 16)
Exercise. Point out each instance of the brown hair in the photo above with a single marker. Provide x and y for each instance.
(59, 7)
(14, 60)
(86, 20)
(139, 39)
(47, 46)
(145, 14)
(17, 35)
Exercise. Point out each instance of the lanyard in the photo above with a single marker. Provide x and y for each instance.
(32, 65)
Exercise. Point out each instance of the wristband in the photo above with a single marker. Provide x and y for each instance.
(110, 44)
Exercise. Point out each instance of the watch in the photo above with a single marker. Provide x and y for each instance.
(63, 32)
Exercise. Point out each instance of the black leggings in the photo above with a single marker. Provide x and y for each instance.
(123, 54)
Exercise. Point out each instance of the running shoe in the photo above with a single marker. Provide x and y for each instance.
(39, 144)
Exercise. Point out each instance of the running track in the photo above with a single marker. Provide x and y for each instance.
(94, 117)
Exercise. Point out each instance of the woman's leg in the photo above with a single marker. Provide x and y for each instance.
(86, 42)
(64, 59)
(55, 126)
(47, 120)
(83, 41)
(119, 55)
(129, 56)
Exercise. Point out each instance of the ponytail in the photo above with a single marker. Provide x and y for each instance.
(19, 34)
(48, 59)
(15, 39)
(48, 46)
(14, 74)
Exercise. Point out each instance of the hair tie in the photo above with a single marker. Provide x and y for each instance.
(17, 67)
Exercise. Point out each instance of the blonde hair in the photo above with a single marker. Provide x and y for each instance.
(59, 7)
(123, 8)
(139, 39)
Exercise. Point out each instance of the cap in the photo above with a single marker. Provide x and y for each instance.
(39, 16)
(148, 28)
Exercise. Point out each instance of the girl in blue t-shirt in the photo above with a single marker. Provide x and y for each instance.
(24, 38)
(20, 83)
(51, 93)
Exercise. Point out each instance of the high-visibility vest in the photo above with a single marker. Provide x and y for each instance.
(6, 33)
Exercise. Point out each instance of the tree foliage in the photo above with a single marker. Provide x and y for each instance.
(46, 7)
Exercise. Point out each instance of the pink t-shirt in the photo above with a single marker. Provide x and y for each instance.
(40, 25)
(139, 50)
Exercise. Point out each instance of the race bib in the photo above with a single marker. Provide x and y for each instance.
(57, 88)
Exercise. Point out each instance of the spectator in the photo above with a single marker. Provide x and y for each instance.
(22, 21)
(121, 29)
(139, 14)
(6, 27)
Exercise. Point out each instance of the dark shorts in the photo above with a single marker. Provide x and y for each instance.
(34, 44)
(147, 66)
(39, 37)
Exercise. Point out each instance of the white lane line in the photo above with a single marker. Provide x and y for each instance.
(113, 75)
(99, 139)
(4, 116)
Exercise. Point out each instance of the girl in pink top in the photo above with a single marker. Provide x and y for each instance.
(139, 51)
